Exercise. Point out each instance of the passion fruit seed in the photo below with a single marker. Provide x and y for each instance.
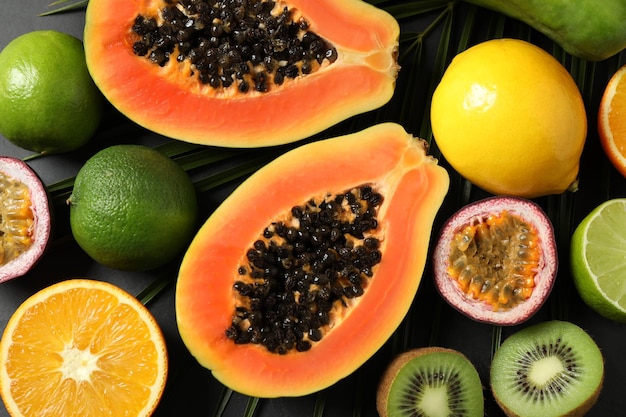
(243, 44)
(495, 259)
(305, 269)
(16, 219)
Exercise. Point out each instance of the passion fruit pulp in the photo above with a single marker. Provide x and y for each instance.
(25, 222)
(495, 260)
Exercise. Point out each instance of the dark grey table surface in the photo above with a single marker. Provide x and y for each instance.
(192, 391)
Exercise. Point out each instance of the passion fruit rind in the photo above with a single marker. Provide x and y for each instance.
(529, 277)
(25, 218)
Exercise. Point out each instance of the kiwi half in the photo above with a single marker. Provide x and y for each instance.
(548, 369)
(430, 382)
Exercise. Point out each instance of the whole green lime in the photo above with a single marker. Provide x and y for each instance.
(48, 101)
(132, 208)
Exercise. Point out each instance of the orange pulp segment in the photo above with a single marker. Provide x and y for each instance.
(82, 348)
(612, 120)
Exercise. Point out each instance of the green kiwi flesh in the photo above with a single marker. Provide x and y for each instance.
(548, 369)
(430, 382)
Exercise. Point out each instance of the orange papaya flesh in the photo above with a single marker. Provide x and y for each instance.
(384, 157)
(166, 100)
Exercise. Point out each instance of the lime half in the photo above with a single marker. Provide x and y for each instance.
(598, 259)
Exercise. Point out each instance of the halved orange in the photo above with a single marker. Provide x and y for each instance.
(612, 120)
(82, 348)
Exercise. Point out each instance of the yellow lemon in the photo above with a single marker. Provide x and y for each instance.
(509, 117)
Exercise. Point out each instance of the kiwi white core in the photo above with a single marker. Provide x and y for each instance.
(434, 403)
(545, 369)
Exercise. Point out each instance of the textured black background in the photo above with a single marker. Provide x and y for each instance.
(192, 391)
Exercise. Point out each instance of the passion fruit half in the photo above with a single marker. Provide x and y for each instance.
(496, 260)
(25, 222)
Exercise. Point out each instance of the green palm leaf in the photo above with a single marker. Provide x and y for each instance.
(60, 6)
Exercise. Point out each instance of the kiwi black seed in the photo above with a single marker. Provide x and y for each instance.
(548, 369)
(430, 382)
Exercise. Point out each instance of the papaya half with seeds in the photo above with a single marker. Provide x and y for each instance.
(241, 73)
(310, 265)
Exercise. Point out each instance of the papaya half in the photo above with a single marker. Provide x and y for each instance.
(310, 265)
(244, 73)
(589, 29)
